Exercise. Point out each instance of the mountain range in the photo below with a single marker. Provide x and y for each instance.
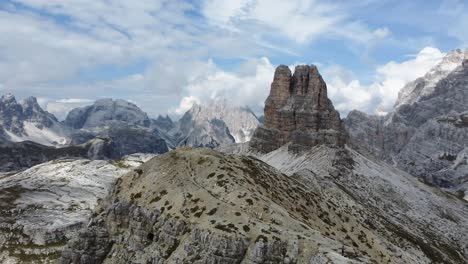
(426, 133)
(303, 186)
(111, 129)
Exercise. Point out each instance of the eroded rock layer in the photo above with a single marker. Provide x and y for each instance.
(298, 111)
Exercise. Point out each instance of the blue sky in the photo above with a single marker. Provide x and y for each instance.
(165, 55)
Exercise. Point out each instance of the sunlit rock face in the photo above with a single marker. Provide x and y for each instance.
(298, 111)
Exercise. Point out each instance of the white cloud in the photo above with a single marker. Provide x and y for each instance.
(247, 85)
(74, 101)
(392, 76)
(61, 107)
(250, 84)
(298, 20)
(46, 46)
(349, 93)
(185, 105)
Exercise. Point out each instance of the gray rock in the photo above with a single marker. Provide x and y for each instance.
(425, 134)
(105, 110)
(298, 111)
(215, 123)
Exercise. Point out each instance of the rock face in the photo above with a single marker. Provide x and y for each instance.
(124, 126)
(420, 221)
(164, 123)
(44, 206)
(122, 139)
(26, 120)
(201, 206)
(298, 111)
(425, 134)
(105, 110)
(216, 123)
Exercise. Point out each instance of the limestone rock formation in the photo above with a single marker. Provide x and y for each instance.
(164, 123)
(425, 134)
(43, 207)
(298, 111)
(104, 111)
(201, 206)
(215, 123)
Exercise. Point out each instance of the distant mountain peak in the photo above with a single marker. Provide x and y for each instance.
(106, 110)
(203, 119)
(426, 84)
(26, 120)
(8, 98)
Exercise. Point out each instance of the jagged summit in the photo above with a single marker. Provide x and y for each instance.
(298, 110)
(215, 123)
(163, 122)
(26, 120)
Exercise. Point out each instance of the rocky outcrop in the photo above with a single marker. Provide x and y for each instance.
(298, 111)
(421, 220)
(425, 133)
(335, 205)
(200, 206)
(43, 207)
(16, 156)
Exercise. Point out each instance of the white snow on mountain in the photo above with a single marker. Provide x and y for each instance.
(426, 84)
(47, 136)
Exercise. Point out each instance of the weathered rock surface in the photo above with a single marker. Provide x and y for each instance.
(298, 111)
(22, 155)
(122, 139)
(124, 126)
(43, 207)
(105, 110)
(422, 220)
(200, 206)
(425, 134)
(213, 124)
(164, 123)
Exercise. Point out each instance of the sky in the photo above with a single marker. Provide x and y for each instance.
(165, 55)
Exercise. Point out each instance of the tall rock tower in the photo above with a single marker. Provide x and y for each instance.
(298, 111)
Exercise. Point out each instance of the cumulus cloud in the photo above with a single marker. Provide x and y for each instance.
(247, 85)
(180, 49)
(349, 93)
(185, 104)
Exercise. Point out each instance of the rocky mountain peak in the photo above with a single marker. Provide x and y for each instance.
(425, 85)
(105, 110)
(8, 99)
(163, 122)
(216, 123)
(298, 111)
